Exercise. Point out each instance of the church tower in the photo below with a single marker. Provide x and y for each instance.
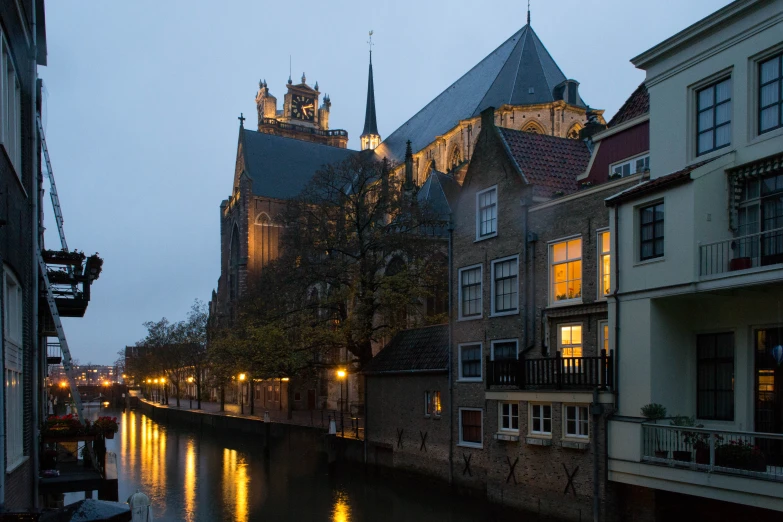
(370, 137)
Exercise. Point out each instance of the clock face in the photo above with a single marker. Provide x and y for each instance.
(302, 107)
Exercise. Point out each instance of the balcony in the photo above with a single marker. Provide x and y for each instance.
(748, 454)
(557, 373)
(741, 253)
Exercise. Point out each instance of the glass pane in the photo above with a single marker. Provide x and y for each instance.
(723, 135)
(574, 270)
(565, 335)
(575, 249)
(548, 425)
(547, 412)
(705, 97)
(770, 69)
(723, 91)
(559, 252)
(647, 250)
(659, 247)
(560, 292)
(605, 247)
(647, 215)
(576, 335)
(659, 229)
(770, 118)
(705, 141)
(770, 93)
(705, 120)
(536, 424)
(722, 113)
(559, 272)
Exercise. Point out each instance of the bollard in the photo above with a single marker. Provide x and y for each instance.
(332, 427)
(141, 511)
(266, 416)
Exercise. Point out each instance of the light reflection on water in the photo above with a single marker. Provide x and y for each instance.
(214, 477)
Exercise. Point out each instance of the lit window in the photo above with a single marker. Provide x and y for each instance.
(505, 288)
(470, 292)
(566, 273)
(714, 116)
(541, 419)
(470, 427)
(470, 362)
(604, 264)
(10, 108)
(630, 167)
(577, 423)
(603, 335)
(569, 343)
(427, 403)
(771, 94)
(487, 213)
(436, 406)
(651, 237)
(509, 416)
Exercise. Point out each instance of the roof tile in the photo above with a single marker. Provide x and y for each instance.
(636, 105)
(417, 349)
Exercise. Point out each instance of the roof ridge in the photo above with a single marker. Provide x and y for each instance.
(519, 64)
(537, 41)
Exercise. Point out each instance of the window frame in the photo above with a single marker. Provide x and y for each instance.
(542, 418)
(11, 138)
(462, 441)
(579, 409)
(13, 358)
(511, 416)
(699, 110)
(759, 108)
(601, 253)
(603, 339)
(427, 403)
(460, 377)
(500, 341)
(551, 270)
(641, 224)
(460, 315)
(631, 162)
(512, 311)
(575, 367)
(438, 410)
(479, 236)
(716, 361)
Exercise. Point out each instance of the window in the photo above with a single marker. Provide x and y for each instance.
(505, 286)
(470, 292)
(566, 275)
(604, 264)
(651, 237)
(277, 393)
(577, 423)
(603, 335)
(569, 344)
(487, 213)
(771, 94)
(470, 362)
(14, 364)
(630, 167)
(504, 350)
(427, 404)
(713, 125)
(509, 416)
(760, 210)
(470, 427)
(10, 108)
(541, 419)
(715, 376)
(436, 405)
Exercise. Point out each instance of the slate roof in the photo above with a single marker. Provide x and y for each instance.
(281, 167)
(370, 123)
(415, 350)
(506, 76)
(636, 105)
(549, 163)
(440, 192)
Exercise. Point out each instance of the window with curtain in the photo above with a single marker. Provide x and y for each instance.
(715, 376)
(470, 361)
(771, 94)
(760, 221)
(504, 350)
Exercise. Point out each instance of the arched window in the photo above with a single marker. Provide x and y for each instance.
(456, 157)
(573, 132)
(263, 219)
(533, 128)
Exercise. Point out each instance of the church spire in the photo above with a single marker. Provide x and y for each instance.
(528, 12)
(370, 137)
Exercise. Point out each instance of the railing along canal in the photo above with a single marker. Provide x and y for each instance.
(751, 454)
(553, 372)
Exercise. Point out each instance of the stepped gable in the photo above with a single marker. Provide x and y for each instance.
(418, 349)
(281, 167)
(505, 76)
(549, 163)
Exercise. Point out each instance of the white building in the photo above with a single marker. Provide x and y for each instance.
(697, 314)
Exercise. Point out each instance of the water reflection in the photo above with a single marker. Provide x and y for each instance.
(341, 512)
(190, 481)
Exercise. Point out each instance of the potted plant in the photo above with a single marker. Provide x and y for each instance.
(690, 439)
(107, 426)
(740, 454)
(62, 426)
(655, 412)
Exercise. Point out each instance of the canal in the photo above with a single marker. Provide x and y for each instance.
(208, 477)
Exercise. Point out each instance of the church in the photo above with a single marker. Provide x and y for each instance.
(274, 162)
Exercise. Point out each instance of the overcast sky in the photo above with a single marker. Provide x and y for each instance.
(143, 99)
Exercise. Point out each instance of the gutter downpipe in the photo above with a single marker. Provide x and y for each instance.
(37, 231)
(451, 350)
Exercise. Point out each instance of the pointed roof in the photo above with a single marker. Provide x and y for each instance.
(636, 105)
(440, 192)
(519, 72)
(370, 125)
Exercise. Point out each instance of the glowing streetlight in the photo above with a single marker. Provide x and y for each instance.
(241, 393)
(155, 381)
(242, 377)
(163, 380)
(63, 384)
(190, 379)
(342, 374)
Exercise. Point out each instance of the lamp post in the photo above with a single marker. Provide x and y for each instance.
(190, 391)
(241, 393)
(164, 396)
(156, 391)
(341, 374)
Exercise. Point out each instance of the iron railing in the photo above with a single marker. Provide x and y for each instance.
(751, 454)
(301, 128)
(740, 253)
(553, 372)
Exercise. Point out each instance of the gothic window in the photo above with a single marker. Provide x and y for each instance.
(533, 128)
(456, 158)
(263, 219)
(233, 264)
(573, 133)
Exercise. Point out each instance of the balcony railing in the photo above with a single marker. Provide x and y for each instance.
(53, 353)
(740, 253)
(756, 455)
(301, 128)
(553, 372)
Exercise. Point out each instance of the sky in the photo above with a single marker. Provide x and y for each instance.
(142, 100)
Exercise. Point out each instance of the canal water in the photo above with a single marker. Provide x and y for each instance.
(208, 477)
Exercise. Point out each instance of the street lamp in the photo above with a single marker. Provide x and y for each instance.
(241, 403)
(164, 397)
(341, 374)
(190, 391)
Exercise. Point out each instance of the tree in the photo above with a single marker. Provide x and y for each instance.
(195, 336)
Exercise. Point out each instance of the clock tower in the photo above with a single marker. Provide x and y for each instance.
(301, 117)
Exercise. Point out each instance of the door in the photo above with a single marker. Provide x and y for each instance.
(769, 391)
(310, 399)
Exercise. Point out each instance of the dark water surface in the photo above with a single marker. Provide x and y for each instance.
(200, 477)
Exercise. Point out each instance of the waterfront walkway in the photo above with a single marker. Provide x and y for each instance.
(354, 425)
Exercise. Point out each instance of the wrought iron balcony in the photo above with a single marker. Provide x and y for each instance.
(553, 372)
(741, 253)
(751, 454)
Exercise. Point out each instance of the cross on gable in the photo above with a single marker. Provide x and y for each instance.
(242, 119)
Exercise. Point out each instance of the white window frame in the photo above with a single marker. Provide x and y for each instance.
(10, 125)
(510, 416)
(460, 378)
(551, 268)
(461, 316)
(601, 344)
(577, 368)
(600, 257)
(532, 416)
(632, 165)
(515, 309)
(499, 341)
(480, 237)
(470, 444)
(579, 409)
(13, 344)
(427, 404)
